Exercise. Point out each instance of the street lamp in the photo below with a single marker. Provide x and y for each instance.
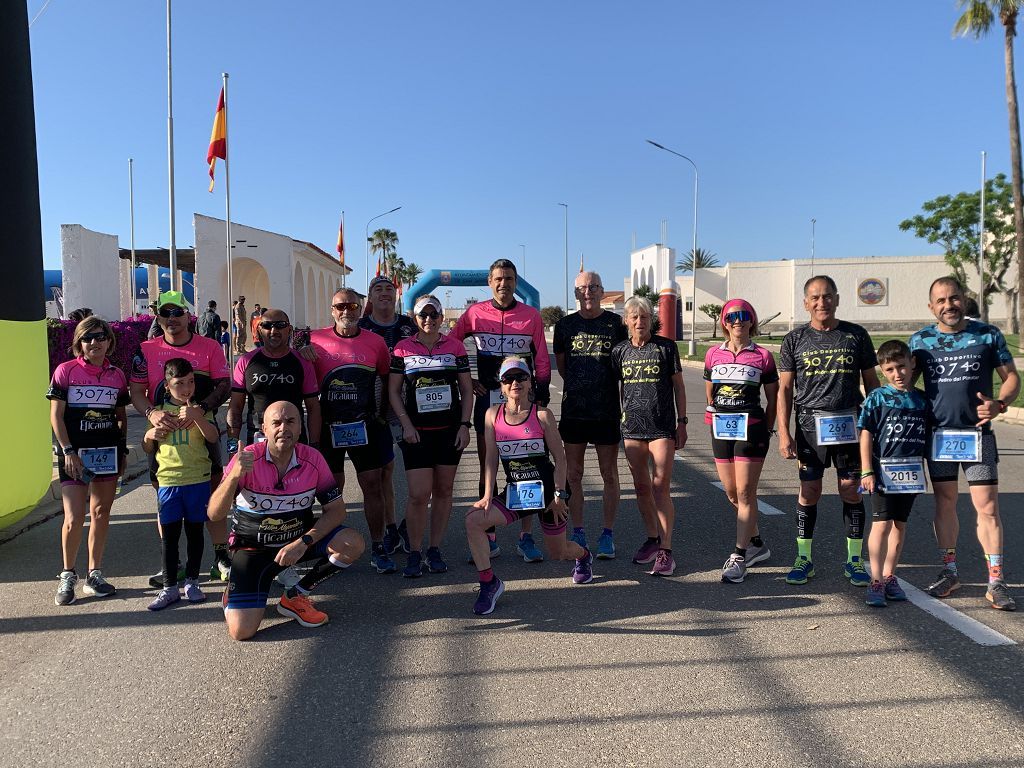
(813, 222)
(566, 207)
(366, 265)
(692, 350)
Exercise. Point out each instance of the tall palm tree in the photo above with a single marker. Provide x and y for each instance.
(383, 244)
(977, 19)
(412, 273)
(394, 267)
(704, 259)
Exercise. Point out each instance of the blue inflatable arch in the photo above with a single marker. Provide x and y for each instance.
(464, 277)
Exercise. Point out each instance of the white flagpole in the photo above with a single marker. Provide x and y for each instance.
(343, 269)
(175, 276)
(227, 209)
(131, 230)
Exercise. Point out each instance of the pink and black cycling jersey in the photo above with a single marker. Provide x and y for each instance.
(498, 333)
(273, 509)
(347, 369)
(431, 386)
(205, 355)
(91, 396)
(265, 380)
(523, 450)
(736, 379)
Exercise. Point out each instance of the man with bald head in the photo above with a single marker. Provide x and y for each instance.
(270, 487)
(583, 342)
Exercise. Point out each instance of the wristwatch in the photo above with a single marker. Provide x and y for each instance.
(68, 450)
(1002, 406)
(307, 539)
(563, 494)
(466, 424)
(206, 408)
(684, 420)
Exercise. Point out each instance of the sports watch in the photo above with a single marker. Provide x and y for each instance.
(563, 494)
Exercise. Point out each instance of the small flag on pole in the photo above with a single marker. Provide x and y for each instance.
(218, 138)
(341, 240)
(581, 261)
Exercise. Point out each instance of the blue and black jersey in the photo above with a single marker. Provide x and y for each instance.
(956, 367)
(899, 423)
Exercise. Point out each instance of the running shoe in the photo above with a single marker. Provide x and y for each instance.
(998, 595)
(580, 537)
(854, 571)
(413, 566)
(876, 595)
(528, 549)
(605, 547)
(947, 583)
(392, 541)
(803, 569)
(893, 590)
(97, 586)
(489, 594)
(288, 578)
(381, 561)
(495, 550)
(435, 563)
(757, 554)
(735, 569)
(403, 532)
(302, 610)
(193, 593)
(583, 573)
(156, 581)
(648, 551)
(221, 571)
(664, 564)
(167, 596)
(66, 589)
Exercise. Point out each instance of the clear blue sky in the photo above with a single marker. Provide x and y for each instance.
(478, 118)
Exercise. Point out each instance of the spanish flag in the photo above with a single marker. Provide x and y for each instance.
(341, 240)
(218, 138)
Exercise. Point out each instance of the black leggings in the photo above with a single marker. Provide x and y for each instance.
(194, 541)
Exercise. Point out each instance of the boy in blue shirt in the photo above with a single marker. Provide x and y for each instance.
(894, 422)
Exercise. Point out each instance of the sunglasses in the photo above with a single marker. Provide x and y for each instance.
(428, 315)
(508, 378)
(347, 306)
(173, 312)
(99, 336)
(740, 316)
(279, 324)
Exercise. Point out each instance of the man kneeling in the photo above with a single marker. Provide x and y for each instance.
(270, 488)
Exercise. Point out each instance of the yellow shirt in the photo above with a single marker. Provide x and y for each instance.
(182, 458)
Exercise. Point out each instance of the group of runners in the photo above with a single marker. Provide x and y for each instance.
(369, 381)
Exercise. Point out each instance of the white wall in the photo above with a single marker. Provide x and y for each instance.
(89, 271)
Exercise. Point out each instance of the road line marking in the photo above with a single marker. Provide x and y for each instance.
(980, 633)
(763, 507)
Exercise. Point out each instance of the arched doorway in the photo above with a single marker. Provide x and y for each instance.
(322, 299)
(298, 298)
(311, 315)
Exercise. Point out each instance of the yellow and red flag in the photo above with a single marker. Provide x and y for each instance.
(218, 138)
(341, 240)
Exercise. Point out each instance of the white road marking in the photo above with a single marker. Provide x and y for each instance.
(980, 633)
(763, 507)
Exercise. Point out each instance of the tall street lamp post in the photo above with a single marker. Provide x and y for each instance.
(566, 207)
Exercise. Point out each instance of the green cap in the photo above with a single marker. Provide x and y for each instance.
(174, 298)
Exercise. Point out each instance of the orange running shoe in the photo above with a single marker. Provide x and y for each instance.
(302, 610)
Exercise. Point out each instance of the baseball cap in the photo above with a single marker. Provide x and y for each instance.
(427, 301)
(513, 365)
(378, 280)
(173, 298)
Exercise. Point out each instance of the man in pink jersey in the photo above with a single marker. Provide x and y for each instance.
(349, 363)
(270, 488)
(502, 327)
(146, 385)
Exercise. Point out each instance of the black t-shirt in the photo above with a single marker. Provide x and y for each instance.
(648, 398)
(266, 380)
(590, 388)
(402, 328)
(827, 367)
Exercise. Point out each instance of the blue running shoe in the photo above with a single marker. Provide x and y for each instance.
(435, 563)
(495, 551)
(404, 533)
(854, 571)
(893, 590)
(392, 540)
(876, 595)
(803, 569)
(381, 560)
(605, 547)
(579, 536)
(413, 566)
(489, 594)
(528, 549)
(583, 573)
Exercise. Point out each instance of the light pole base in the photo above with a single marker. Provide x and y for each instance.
(692, 348)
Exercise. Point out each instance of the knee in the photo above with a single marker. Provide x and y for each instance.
(348, 545)
(241, 630)
(644, 490)
(574, 474)
(475, 521)
(988, 512)
(99, 512)
(420, 498)
(371, 483)
(441, 495)
(745, 497)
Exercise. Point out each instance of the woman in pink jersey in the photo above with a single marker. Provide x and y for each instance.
(87, 397)
(734, 375)
(521, 433)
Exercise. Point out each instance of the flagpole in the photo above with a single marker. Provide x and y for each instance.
(343, 270)
(131, 229)
(227, 209)
(173, 262)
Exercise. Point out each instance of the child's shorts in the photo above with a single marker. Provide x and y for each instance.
(183, 502)
(893, 506)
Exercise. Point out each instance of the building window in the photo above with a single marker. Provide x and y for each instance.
(689, 305)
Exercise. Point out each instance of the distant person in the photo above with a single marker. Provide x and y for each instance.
(225, 339)
(241, 319)
(208, 323)
(971, 310)
(79, 315)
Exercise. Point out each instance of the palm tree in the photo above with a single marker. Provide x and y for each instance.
(977, 20)
(394, 267)
(411, 273)
(704, 259)
(385, 243)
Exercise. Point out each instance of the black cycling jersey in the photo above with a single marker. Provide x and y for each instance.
(648, 398)
(590, 388)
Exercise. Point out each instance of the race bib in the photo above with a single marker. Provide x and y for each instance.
(496, 396)
(835, 428)
(348, 435)
(430, 399)
(903, 475)
(956, 445)
(99, 461)
(729, 426)
(527, 494)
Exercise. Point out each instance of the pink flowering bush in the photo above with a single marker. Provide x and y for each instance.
(130, 333)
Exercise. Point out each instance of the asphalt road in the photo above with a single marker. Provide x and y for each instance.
(629, 670)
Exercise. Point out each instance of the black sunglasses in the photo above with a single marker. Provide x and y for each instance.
(172, 312)
(98, 336)
(346, 306)
(508, 378)
(428, 315)
(279, 324)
